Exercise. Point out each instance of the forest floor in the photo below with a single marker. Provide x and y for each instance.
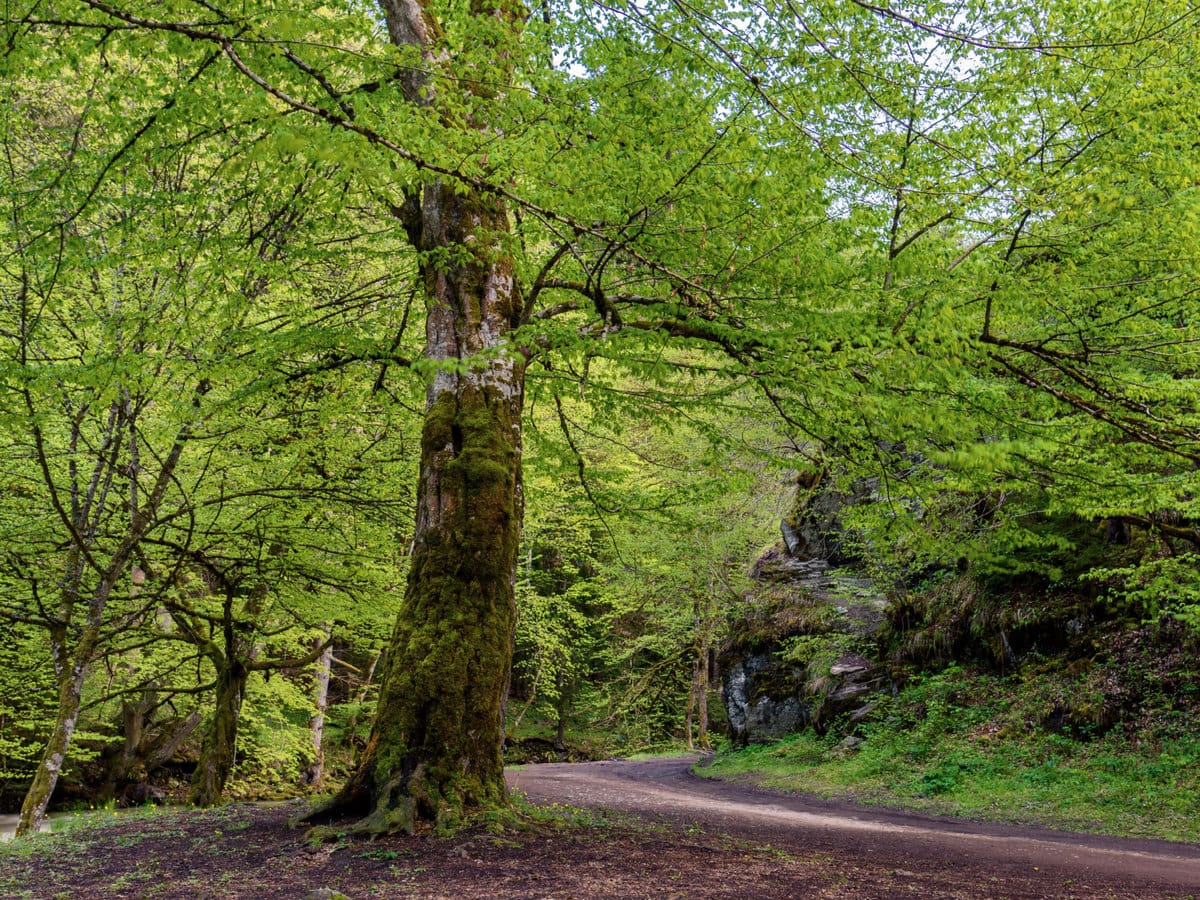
(661, 832)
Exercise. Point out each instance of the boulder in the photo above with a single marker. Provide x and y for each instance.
(764, 698)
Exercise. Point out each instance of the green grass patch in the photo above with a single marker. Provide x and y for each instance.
(522, 814)
(974, 746)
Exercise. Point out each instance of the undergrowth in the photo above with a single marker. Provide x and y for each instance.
(984, 747)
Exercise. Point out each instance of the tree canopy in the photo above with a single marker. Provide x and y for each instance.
(248, 253)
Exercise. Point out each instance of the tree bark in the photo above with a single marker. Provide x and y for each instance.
(218, 750)
(121, 764)
(169, 742)
(696, 717)
(45, 777)
(435, 748)
(702, 700)
(316, 725)
(691, 706)
(562, 706)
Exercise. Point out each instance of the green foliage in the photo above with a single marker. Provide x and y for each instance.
(1169, 585)
(27, 705)
(179, 432)
(274, 742)
(637, 539)
(956, 267)
(964, 743)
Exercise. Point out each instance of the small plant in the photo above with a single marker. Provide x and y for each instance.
(379, 854)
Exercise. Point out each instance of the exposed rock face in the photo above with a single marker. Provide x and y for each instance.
(778, 566)
(767, 697)
(852, 678)
(755, 711)
(814, 529)
(851, 664)
(790, 664)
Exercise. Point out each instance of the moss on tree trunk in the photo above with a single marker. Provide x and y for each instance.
(437, 736)
(435, 747)
(45, 777)
(218, 749)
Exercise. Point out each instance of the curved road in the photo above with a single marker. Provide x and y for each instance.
(666, 789)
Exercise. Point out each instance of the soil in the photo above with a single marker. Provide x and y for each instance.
(665, 833)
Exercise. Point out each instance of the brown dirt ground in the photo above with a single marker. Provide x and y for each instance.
(680, 837)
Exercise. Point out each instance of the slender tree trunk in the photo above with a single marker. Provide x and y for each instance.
(361, 696)
(45, 777)
(169, 743)
(562, 706)
(696, 718)
(133, 725)
(691, 706)
(218, 750)
(529, 701)
(702, 700)
(316, 725)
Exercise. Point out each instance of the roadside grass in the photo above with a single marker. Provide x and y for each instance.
(562, 817)
(975, 746)
(668, 751)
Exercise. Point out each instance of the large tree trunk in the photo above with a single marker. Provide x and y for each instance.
(435, 748)
(45, 777)
(218, 749)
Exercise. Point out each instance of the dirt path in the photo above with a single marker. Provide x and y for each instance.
(666, 788)
(703, 840)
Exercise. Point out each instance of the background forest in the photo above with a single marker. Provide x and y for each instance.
(904, 291)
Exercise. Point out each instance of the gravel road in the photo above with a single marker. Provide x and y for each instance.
(1080, 865)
